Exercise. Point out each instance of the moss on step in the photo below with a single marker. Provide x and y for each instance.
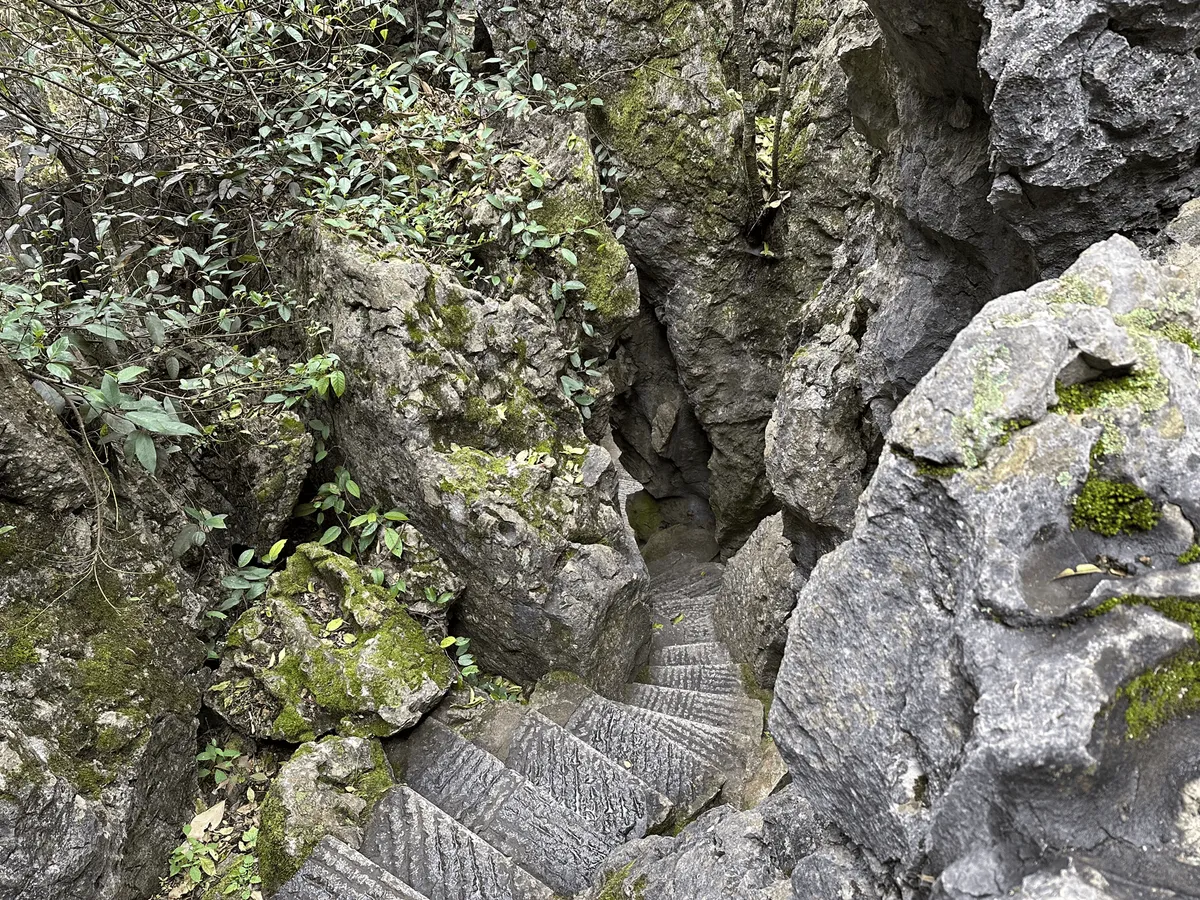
(616, 886)
(1189, 556)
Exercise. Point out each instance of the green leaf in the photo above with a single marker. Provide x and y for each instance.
(160, 422)
(567, 255)
(245, 558)
(108, 332)
(58, 370)
(142, 447)
(337, 380)
(446, 642)
(276, 549)
(130, 373)
(331, 534)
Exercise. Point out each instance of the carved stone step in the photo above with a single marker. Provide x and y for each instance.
(504, 808)
(707, 679)
(336, 871)
(689, 627)
(704, 653)
(421, 845)
(610, 798)
(740, 714)
(624, 734)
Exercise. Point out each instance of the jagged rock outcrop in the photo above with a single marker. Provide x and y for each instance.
(755, 600)
(97, 692)
(1009, 138)
(326, 790)
(733, 297)
(327, 650)
(459, 416)
(996, 668)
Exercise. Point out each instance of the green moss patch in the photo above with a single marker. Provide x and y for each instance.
(1112, 507)
(327, 650)
(1172, 689)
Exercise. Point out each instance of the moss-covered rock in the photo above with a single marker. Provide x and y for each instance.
(327, 788)
(327, 650)
(98, 699)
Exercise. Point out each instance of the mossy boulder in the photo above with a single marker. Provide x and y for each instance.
(328, 787)
(326, 650)
(458, 414)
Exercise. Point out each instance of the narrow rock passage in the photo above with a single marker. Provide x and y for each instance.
(527, 802)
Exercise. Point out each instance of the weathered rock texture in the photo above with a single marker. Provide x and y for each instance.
(97, 703)
(458, 418)
(327, 789)
(325, 651)
(732, 295)
(755, 600)
(1009, 138)
(957, 695)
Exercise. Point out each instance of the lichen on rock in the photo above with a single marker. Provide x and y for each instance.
(327, 650)
(328, 787)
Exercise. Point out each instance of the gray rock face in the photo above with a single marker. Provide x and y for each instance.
(957, 694)
(38, 465)
(462, 389)
(97, 691)
(723, 855)
(1094, 118)
(733, 297)
(755, 600)
(1010, 137)
(321, 799)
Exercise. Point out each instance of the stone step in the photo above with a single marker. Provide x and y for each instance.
(504, 808)
(694, 627)
(611, 799)
(703, 653)
(622, 733)
(714, 679)
(421, 845)
(740, 714)
(335, 871)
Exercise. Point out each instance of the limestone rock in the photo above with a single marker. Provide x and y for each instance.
(327, 789)
(38, 465)
(723, 855)
(97, 679)
(756, 599)
(488, 457)
(730, 287)
(989, 664)
(327, 650)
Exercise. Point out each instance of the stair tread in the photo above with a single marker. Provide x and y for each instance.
(701, 652)
(505, 808)
(684, 777)
(708, 679)
(682, 628)
(603, 793)
(336, 871)
(741, 714)
(423, 846)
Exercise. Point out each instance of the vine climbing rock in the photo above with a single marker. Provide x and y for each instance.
(528, 802)
(999, 666)
(98, 677)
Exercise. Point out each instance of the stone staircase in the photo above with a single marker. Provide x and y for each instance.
(525, 802)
